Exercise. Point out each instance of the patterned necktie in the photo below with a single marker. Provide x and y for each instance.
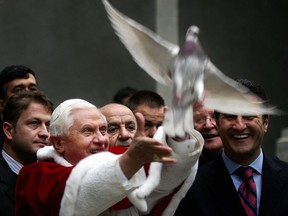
(247, 190)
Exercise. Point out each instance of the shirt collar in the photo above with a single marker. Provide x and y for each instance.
(14, 165)
(232, 166)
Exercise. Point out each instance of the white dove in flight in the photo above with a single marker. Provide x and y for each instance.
(188, 70)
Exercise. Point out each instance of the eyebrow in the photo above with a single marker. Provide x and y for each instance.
(130, 122)
(113, 123)
(21, 85)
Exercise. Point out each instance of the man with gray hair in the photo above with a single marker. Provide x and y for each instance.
(78, 176)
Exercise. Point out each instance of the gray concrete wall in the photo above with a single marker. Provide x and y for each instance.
(71, 45)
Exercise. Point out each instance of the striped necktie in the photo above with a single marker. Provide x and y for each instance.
(247, 190)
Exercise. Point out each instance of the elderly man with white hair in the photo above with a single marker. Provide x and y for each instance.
(78, 176)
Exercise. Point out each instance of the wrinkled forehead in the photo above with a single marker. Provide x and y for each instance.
(90, 114)
(121, 119)
(117, 111)
(202, 111)
(120, 114)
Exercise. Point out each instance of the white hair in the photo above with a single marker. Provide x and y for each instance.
(62, 119)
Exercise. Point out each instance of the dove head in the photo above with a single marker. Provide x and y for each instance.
(189, 70)
(191, 45)
(192, 32)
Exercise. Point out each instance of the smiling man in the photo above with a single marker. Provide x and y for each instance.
(244, 180)
(71, 179)
(205, 123)
(26, 119)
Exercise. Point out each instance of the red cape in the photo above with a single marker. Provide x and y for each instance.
(40, 188)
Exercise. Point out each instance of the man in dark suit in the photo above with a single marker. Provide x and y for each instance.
(218, 185)
(7, 187)
(26, 119)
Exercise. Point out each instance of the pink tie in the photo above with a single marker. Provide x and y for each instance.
(247, 190)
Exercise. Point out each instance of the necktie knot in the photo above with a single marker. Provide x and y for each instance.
(245, 173)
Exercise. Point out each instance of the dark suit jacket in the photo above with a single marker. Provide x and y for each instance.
(213, 192)
(7, 188)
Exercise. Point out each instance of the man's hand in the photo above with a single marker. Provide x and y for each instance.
(143, 150)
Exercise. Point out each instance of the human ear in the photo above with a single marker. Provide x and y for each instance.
(265, 123)
(8, 130)
(165, 109)
(57, 143)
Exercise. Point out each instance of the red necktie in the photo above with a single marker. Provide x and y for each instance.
(247, 190)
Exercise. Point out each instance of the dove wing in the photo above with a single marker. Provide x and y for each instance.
(228, 96)
(152, 53)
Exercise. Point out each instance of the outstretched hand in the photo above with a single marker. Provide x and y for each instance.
(143, 150)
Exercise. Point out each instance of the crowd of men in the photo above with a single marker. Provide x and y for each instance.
(78, 159)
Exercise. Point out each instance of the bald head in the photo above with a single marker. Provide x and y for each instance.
(115, 109)
(122, 124)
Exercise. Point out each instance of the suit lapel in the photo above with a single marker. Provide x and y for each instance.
(221, 185)
(272, 182)
(8, 179)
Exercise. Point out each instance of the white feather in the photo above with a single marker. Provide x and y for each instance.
(228, 96)
(150, 52)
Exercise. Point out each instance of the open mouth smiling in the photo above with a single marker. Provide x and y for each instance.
(210, 136)
(240, 136)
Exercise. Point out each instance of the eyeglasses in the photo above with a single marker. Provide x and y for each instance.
(201, 119)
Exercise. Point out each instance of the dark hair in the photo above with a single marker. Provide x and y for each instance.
(254, 88)
(10, 73)
(150, 98)
(17, 103)
(123, 94)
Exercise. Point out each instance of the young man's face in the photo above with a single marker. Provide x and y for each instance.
(242, 135)
(30, 133)
(153, 118)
